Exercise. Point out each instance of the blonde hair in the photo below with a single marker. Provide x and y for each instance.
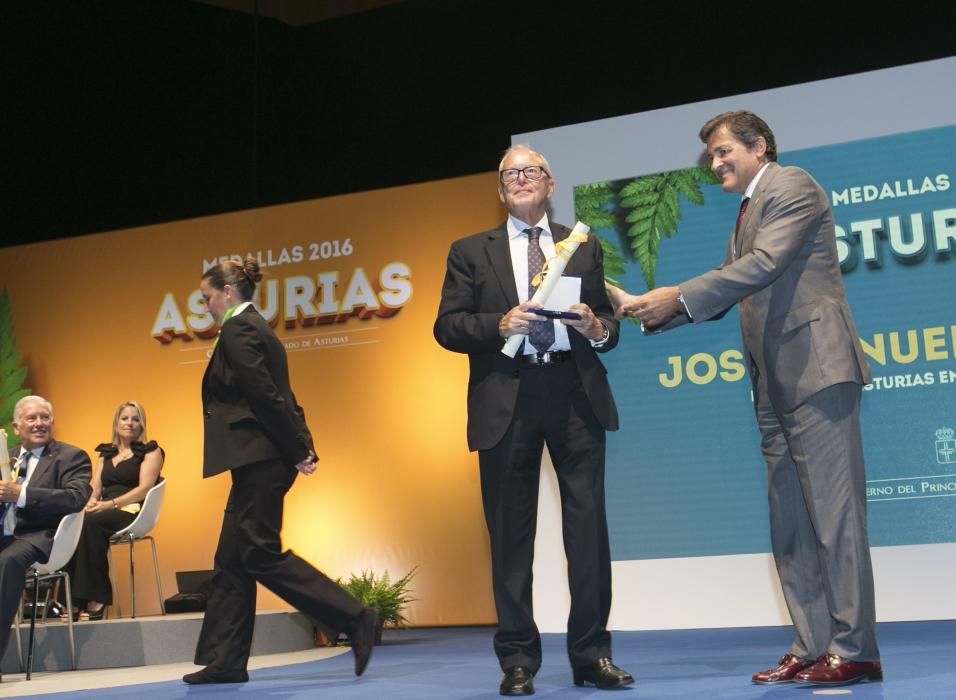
(142, 420)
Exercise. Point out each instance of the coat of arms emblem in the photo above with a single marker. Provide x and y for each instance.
(946, 446)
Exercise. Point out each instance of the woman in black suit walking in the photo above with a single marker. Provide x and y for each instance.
(255, 429)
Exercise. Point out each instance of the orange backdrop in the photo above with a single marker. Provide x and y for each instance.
(105, 318)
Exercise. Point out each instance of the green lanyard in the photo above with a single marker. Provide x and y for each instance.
(225, 317)
(229, 314)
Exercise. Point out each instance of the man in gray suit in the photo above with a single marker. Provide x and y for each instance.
(806, 367)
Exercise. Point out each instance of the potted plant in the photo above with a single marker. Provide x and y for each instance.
(388, 597)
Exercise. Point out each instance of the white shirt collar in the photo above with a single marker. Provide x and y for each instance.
(753, 183)
(516, 226)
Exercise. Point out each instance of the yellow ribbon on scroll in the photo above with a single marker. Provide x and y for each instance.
(547, 279)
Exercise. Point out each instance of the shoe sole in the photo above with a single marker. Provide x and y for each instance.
(865, 678)
(604, 686)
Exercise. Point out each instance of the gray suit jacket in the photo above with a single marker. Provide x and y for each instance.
(798, 334)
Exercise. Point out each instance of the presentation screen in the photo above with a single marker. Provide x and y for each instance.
(686, 483)
(684, 477)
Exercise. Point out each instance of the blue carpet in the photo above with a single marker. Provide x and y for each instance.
(919, 662)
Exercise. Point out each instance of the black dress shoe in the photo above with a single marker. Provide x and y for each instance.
(217, 675)
(602, 674)
(363, 638)
(517, 681)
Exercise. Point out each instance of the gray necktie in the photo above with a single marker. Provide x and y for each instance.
(542, 332)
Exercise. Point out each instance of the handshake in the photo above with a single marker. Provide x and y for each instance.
(653, 309)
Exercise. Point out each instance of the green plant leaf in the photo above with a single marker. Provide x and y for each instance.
(12, 374)
(380, 593)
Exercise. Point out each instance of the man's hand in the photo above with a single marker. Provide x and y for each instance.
(9, 491)
(656, 307)
(518, 321)
(617, 296)
(589, 325)
(308, 465)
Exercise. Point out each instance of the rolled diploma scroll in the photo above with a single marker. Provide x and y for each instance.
(555, 268)
(5, 473)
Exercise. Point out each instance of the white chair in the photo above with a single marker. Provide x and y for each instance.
(64, 545)
(137, 531)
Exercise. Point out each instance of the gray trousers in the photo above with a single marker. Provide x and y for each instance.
(817, 494)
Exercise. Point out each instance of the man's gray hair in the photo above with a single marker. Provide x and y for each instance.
(19, 405)
(524, 147)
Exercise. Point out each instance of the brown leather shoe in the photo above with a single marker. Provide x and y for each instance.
(787, 667)
(831, 669)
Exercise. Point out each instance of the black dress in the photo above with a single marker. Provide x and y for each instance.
(89, 568)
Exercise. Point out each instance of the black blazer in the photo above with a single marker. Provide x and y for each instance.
(479, 289)
(59, 485)
(251, 414)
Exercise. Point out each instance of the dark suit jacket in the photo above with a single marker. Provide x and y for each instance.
(59, 485)
(251, 414)
(797, 330)
(479, 289)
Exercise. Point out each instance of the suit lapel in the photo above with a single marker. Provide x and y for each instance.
(498, 251)
(215, 348)
(43, 464)
(754, 213)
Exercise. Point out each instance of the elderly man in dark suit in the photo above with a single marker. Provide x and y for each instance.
(554, 392)
(50, 479)
(807, 367)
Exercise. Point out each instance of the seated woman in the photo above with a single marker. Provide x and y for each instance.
(126, 469)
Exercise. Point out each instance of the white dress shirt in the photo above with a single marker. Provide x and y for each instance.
(31, 466)
(518, 241)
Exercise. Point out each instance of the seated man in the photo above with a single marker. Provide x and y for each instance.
(50, 479)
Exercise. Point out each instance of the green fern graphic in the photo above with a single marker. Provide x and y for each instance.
(654, 204)
(11, 373)
(642, 212)
(594, 205)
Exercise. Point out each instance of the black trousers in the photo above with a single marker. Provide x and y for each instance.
(16, 556)
(250, 550)
(89, 568)
(551, 409)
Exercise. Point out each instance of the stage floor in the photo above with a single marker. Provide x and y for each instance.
(427, 664)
